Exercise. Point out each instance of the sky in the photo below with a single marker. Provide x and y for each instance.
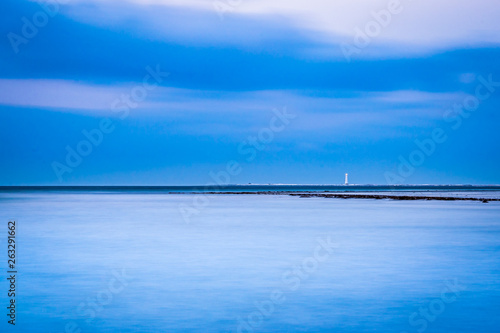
(191, 92)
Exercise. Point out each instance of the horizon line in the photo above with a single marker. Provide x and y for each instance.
(246, 185)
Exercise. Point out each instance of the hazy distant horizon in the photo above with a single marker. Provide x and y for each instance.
(225, 186)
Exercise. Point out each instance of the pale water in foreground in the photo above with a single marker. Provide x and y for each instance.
(128, 262)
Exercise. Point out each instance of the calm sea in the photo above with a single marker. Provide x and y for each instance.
(148, 260)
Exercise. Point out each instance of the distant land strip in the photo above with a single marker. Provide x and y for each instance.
(392, 197)
(362, 196)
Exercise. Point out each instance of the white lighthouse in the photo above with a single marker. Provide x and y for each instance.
(346, 179)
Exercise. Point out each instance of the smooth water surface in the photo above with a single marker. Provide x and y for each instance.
(129, 262)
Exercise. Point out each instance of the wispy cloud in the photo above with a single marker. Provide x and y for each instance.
(435, 25)
(334, 114)
(57, 94)
(70, 95)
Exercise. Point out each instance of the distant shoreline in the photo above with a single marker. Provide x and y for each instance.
(357, 196)
(391, 197)
(480, 193)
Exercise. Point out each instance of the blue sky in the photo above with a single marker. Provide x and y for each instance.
(400, 106)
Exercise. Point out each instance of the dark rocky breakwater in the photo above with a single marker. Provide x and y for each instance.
(391, 197)
(357, 196)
